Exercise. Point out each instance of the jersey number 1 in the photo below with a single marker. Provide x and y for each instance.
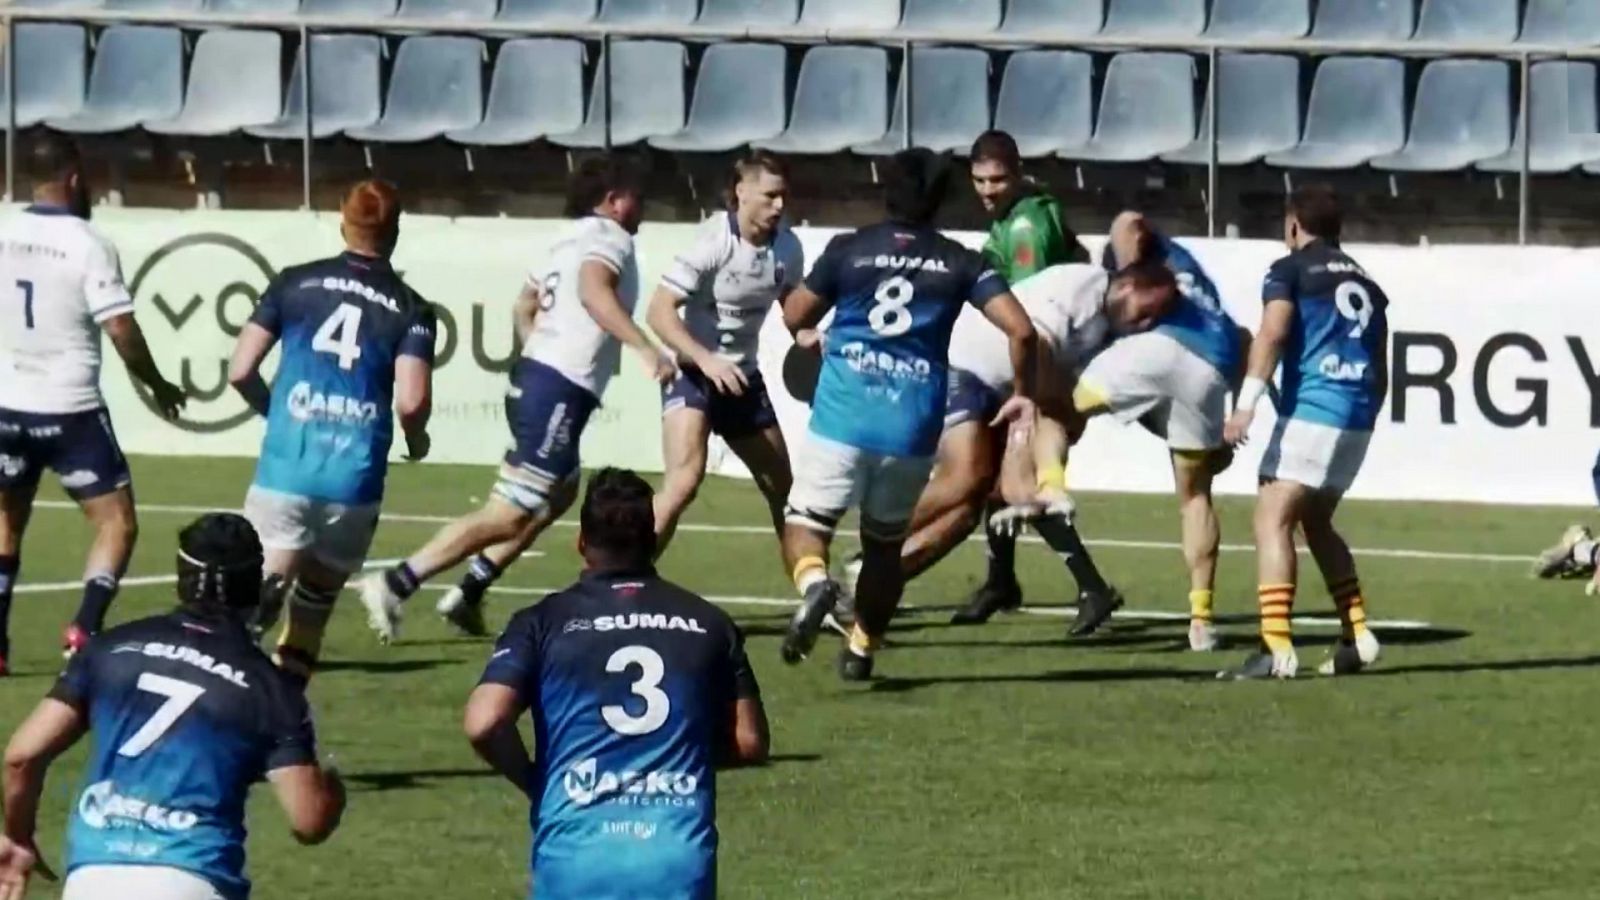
(180, 696)
(339, 335)
(26, 287)
(656, 703)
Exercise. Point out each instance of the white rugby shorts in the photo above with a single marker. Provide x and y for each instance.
(1321, 457)
(831, 478)
(137, 883)
(1153, 377)
(335, 534)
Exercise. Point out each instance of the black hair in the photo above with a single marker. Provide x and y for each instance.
(57, 157)
(1148, 274)
(1316, 207)
(915, 183)
(598, 176)
(1149, 250)
(618, 521)
(219, 565)
(997, 146)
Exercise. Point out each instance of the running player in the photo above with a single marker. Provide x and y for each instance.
(572, 318)
(637, 689)
(62, 285)
(1327, 320)
(897, 289)
(357, 342)
(187, 714)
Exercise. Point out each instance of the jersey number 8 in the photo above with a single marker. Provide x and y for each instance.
(889, 316)
(1355, 304)
(340, 335)
(656, 702)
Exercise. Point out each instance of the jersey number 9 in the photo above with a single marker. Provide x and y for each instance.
(889, 316)
(340, 335)
(1355, 304)
(648, 686)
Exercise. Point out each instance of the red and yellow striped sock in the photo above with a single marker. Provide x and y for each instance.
(1346, 593)
(1277, 601)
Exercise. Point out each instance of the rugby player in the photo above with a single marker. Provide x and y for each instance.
(62, 284)
(1326, 320)
(1574, 555)
(573, 317)
(637, 689)
(357, 343)
(896, 289)
(186, 713)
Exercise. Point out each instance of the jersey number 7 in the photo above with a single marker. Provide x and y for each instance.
(340, 335)
(180, 696)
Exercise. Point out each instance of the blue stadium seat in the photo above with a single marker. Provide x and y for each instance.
(1468, 21)
(1240, 19)
(344, 88)
(1357, 111)
(1146, 109)
(254, 7)
(738, 98)
(1364, 20)
(1563, 120)
(749, 13)
(354, 9)
(1047, 101)
(458, 10)
(1156, 18)
(1573, 23)
(851, 14)
(841, 98)
(235, 81)
(646, 95)
(436, 86)
(537, 90)
(1258, 111)
(1462, 115)
(649, 12)
(59, 4)
(1064, 17)
(52, 62)
(137, 77)
(155, 6)
(949, 102)
(967, 17)
(565, 12)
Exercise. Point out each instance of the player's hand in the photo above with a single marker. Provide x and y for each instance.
(417, 446)
(1018, 412)
(809, 339)
(658, 364)
(169, 398)
(17, 863)
(1237, 431)
(725, 375)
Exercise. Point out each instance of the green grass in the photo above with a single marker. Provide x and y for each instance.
(985, 762)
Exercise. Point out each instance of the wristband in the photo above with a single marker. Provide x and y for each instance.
(1250, 393)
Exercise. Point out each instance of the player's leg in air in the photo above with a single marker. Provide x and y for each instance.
(462, 605)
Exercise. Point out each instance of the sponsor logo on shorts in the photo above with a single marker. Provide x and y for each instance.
(102, 808)
(587, 784)
(81, 478)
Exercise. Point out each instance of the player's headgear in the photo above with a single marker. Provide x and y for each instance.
(915, 183)
(1316, 207)
(598, 176)
(219, 564)
(618, 519)
(997, 146)
(371, 212)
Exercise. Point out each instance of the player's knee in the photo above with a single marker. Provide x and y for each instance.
(680, 487)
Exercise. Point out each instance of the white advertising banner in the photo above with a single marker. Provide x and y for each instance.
(1495, 365)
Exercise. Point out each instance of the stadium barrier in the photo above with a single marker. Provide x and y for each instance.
(1495, 387)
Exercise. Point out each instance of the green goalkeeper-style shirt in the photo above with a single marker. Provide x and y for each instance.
(1031, 237)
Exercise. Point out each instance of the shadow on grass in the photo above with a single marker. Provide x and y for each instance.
(1070, 676)
(1502, 665)
(383, 666)
(412, 779)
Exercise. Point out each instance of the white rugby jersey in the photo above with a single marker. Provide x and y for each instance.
(1067, 305)
(564, 336)
(59, 279)
(729, 284)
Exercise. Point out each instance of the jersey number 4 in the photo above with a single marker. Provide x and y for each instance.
(340, 335)
(648, 686)
(180, 695)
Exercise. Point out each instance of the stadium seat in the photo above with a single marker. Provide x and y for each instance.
(52, 60)
(569, 12)
(649, 12)
(851, 14)
(1146, 109)
(1156, 18)
(1238, 19)
(1063, 17)
(646, 95)
(967, 17)
(254, 7)
(738, 98)
(235, 81)
(759, 13)
(344, 88)
(1357, 111)
(458, 10)
(1364, 20)
(537, 90)
(841, 98)
(1462, 114)
(354, 9)
(136, 77)
(1563, 120)
(154, 6)
(59, 4)
(1468, 21)
(1046, 101)
(1571, 22)
(1258, 111)
(436, 86)
(949, 102)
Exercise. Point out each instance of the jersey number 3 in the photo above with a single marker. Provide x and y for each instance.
(180, 695)
(339, 335)
(656, 703)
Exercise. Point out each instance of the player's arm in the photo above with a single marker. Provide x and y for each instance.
(597, 289)
(244, 371)
(751, 738)
(687, 272)
(112, 308)
(413, 381)
(52, 727)
(491, 727)
(312, 797)
(811, 299)
(1276, 319)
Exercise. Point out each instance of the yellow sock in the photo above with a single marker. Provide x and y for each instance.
(300, 642)
(1277, 601)
(1346, 594)
(861, 643)
(808, 571)
(1200, 605)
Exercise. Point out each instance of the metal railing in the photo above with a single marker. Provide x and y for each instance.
(306, 26)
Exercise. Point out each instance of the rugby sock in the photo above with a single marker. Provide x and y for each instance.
(1583, 552)
(1002, 551)
(300, 642)
(1346, 594)
(8, 577)
(861, 643)
(403, 580)
(1062, 536)
(98, 592)
(481, 573)
(810, 574)
(1277, 600)
(1200, 605)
